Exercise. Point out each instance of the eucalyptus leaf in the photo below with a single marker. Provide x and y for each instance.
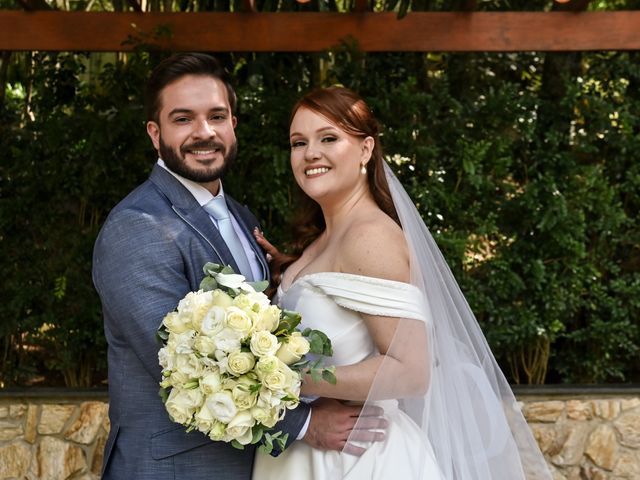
(208, 284)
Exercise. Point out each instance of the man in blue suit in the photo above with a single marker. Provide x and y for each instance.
(150, 253)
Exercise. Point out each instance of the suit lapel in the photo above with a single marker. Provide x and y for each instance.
(190, 211)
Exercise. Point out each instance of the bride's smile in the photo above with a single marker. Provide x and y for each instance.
(326, 160)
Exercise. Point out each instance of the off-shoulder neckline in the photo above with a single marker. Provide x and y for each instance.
(346, 275)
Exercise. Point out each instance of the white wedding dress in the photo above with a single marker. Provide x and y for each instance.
(331, 302)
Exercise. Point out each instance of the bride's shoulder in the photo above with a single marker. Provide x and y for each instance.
(374, 246)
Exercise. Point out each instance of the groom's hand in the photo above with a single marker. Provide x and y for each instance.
(332, 423)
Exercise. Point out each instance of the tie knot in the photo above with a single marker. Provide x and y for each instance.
(217, 208)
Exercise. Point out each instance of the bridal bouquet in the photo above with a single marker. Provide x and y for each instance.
(232, 363)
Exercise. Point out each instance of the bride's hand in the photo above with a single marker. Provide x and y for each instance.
(272, 251)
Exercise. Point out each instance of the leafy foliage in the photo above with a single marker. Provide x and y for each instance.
(528, 178)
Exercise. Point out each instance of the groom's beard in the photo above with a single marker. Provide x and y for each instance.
(176, 163)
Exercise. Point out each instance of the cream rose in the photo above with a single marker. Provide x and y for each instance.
(293, 348)
(176, 323)
(221, 299)
(266, 365)
(218, 431)
(204, 420)
(210, 383)
(221, 406)
(204, 345)
(242, 393)
(277, 380)
(182, 404)
(239, 427)
(212, 322)
(181, 343)
(228, 340)
(268, 319)
(239, 320)
(240, 362)
(189, 365)
(167, 358)
(195, 305)
(263, 343)
(266, 416)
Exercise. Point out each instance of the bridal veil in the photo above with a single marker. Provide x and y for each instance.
(468, 413)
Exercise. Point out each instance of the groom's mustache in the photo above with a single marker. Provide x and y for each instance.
(203, 145)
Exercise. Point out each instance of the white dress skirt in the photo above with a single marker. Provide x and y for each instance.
(332, 302)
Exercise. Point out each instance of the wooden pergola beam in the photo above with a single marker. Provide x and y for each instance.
(313, 32)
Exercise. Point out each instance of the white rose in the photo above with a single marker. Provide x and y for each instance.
(204, 345)
(280, 379)
(176, 323)
(259, 301)
(268, 319)
(266, 416)
(239, 427)
(221, 299)
(243, 303)
(240, 362)
(212, 322)
(264, 343)
(177, 378)
(218, 431)
(181, 343)
(239, 320)
(166, 358)
(242, 393)
(267, 400)
(204, 420)
(292, 349)
(229, 383)
(228, 340)
(182, 404)
(211, 383)
(266, 365)
(195, 305)
(222, 406)
(189, 365)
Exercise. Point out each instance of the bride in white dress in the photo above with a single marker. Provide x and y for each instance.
(403, 336)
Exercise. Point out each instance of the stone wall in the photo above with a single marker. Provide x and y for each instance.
(47, 435)
(585, 435)
(587, 438)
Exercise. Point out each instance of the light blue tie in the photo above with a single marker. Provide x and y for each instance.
(217, 208)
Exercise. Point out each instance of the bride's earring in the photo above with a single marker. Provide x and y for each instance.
(363, 169)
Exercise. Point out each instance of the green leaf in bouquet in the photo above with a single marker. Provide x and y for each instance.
(269, 439)
(329, 375)
(288, 322)
(267, 445)
(237, 444)
(319, 343)
(208, 283)
(211, 268)
(255, 387)
(227, 270)
(164, 394)
(162, 334)
(259, 286)
(257, 432)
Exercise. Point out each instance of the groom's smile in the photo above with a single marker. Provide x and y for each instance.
(194, 133)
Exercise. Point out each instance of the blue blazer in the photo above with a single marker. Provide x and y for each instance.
(149, 255)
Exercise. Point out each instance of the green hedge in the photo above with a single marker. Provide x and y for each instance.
(524, 166)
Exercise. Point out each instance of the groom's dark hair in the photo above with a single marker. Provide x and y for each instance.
(176, 67)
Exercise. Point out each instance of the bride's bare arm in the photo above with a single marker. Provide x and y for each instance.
(379, 250)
